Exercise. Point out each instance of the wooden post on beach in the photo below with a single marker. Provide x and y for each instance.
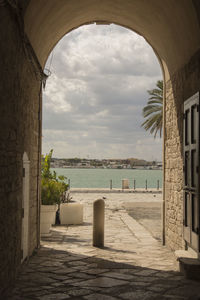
(146, 185)
(98, 223)
(111, 184)
(158, 184)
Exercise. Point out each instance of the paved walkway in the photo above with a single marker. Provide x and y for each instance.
(133, 265)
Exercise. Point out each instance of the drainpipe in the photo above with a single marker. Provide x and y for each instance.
(43, 78)
(39, 162)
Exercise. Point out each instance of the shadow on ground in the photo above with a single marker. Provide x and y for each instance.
(56, 274)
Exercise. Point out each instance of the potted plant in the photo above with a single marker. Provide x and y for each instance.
(71, 213)
(53, 189)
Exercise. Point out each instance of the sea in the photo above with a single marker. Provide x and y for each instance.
(101, 178)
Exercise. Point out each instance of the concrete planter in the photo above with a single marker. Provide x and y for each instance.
(71, 213)
(47, 218)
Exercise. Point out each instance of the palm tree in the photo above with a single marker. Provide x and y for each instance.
(153, 111)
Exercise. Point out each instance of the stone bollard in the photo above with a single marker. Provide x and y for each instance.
(98, 223)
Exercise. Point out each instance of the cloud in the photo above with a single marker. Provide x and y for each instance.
(94, 98)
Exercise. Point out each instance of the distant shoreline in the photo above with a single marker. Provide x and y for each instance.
(116, 190)
(89, 168)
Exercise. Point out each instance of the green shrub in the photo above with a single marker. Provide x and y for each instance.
(53, 187)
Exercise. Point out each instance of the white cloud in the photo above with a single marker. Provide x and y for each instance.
(93, 101)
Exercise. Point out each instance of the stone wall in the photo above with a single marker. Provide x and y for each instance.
(19, 127)
(20, 132)
(182, 85)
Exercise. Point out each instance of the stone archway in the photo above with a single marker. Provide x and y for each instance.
(32, 28)
(163, 28)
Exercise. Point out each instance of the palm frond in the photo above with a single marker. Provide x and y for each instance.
(153, 111)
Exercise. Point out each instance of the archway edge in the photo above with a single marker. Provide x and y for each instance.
(163, 65)
(170, 29)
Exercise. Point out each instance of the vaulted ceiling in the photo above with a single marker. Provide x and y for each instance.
(171, 26)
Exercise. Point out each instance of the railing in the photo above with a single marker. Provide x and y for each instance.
(134, 185)
(126, 187)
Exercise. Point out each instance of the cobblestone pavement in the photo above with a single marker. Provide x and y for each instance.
(132, 265)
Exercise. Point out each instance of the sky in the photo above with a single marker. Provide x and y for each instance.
(93, 99)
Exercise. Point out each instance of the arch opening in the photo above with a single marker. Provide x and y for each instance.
(70, 95)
